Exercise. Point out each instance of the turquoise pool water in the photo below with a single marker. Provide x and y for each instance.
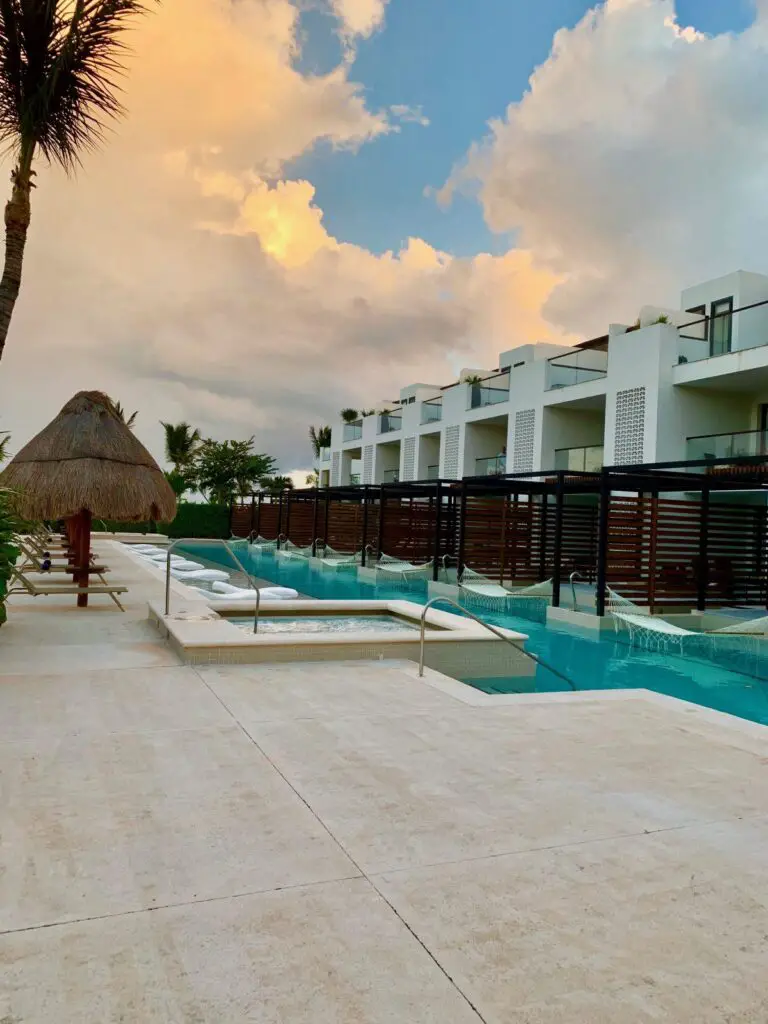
(738, 683)
(324, 624)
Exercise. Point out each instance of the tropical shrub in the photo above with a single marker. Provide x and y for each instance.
(8, 550)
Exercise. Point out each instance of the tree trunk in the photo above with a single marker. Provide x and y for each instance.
(17, 215)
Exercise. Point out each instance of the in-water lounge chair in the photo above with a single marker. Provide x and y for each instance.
(475, 587)
(401, 571)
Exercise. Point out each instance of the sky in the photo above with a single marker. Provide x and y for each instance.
(312, 203)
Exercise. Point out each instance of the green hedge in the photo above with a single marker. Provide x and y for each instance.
(192, 520)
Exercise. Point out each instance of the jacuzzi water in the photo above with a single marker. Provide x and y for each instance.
(335, 624)
(738, 683)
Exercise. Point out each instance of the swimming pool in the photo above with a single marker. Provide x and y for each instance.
(599, 663)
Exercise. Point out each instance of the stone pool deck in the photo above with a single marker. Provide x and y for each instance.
(344, 844)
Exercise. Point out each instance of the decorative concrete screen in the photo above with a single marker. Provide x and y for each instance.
(409, 457)
(629, 445)
(336, 469)
(451, 467)
(368, 464)
(525, 426)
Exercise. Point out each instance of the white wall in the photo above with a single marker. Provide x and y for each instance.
(482, 441)
(386, 458)
(569, 428)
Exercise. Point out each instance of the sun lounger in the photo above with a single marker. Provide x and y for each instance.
(35, 564)
(26, 585)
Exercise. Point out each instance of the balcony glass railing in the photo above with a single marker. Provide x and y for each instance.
(353, 431)
(576, 368)
(580, 460)
(431, 412)
(433, 472)
(494, 466)
(728, 446)
(491, 392)
(325, 454)
(388, 423)
(390, 476)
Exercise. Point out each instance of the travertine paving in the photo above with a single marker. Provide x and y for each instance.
(344, 844)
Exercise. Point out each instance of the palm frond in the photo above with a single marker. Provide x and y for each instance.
(60, 65)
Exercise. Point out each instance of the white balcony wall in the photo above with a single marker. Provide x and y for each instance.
(527, 385)
(483, 441)
(386, 461)
(569, 428)
(427, 456)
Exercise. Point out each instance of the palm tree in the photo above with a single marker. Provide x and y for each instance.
(118, 407)
(59, 61)
(277, 484)
(181, 444)
(320, 437)
(5, 440)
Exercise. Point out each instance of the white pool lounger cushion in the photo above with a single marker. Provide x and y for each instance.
(199, 574)
(226, 590)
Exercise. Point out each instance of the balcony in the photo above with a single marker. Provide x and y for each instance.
(390, 476)
(325, 454)
(353, 431)
(388, 423)
(580, 460)
(432, 411)
(737, 444)
(576, 368)
(495, 466)
(491, 391)
(433, 472)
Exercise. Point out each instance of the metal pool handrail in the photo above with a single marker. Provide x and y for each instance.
(284, 536)
(572, 577)
(496, 632)
(193, 540)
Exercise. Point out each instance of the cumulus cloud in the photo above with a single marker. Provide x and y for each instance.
(359, 17)
(183, 272)
(636, 162)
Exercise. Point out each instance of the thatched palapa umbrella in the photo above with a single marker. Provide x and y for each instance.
(87, 463)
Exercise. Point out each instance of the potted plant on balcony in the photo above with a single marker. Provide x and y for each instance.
(8, 550)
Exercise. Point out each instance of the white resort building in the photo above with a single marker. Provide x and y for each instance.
(685, 384)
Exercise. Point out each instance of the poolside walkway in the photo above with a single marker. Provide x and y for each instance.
(344, 844)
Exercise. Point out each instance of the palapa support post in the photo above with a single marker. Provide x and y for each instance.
(82, 550)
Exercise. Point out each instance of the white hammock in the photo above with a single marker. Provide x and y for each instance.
(397, 570)
(748, 627)
(262, 544)
(291, 550)
(332, 559)
(480, 589)
(645, 630)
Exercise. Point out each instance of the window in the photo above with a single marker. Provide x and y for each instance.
(720, 326)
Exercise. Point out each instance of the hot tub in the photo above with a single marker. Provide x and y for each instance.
(339, 631)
